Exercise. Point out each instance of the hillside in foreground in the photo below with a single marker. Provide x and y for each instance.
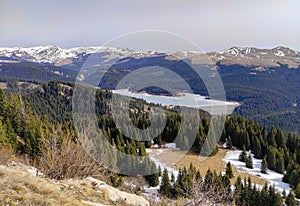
(21, 184)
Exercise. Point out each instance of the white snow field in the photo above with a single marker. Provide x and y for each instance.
(272, 177)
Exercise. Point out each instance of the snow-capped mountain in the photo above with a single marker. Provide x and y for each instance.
(248, 56)
(248, 51)
(53, 54)
(256, 57)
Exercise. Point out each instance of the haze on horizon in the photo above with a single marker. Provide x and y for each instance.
(213, 25)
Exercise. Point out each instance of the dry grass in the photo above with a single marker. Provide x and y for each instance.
(203, 164)
(6, 155)
(20, 188)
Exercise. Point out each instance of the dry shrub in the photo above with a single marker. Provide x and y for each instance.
(7, 155)
(18, 188)
(68, 160)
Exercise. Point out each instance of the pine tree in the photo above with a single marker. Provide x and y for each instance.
(279, 163)
(264, 196)
(284, 194)
(297, 190)
(257, 148)
(277, 200)
(290, 200)
(271, 159)
(271, 137)
(165, 186)
(264, 166)
(249, 162)
(238, 192)
(172, 178)
(243, 155)
(280, 139)
(229, 143)
(229, 171)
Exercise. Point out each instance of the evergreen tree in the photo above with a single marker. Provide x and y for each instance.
(249, 162)
(243, 155)
(277, 200)
(165, 186)
(290, 200)
(172, 178)
(297, 190)
(284, 194)
(229, 143)
(238, 192)
(271, 159)
(271, 137)
(264, 196)
(3, 104)
(257, 148)
(280, 139)
(279, 163)
(229, 171)
(264, 166)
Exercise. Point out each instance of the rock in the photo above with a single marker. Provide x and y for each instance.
(115, 195)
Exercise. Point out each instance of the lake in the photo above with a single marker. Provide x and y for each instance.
(214, 107)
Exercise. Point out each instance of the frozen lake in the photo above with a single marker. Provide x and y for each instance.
(214, 107)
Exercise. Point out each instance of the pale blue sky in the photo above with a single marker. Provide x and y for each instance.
(213, 25)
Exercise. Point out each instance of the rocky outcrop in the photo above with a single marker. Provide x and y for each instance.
(25, 185)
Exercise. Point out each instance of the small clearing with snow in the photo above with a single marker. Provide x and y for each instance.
(273, 178)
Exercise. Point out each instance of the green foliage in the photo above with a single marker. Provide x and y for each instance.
(243, 155)
(264, 166)
(246, 194)
(282, 154)
(297, 191)
(229, 143)
(165, 186)
(290, 200)
(229, 171)
(249, 162)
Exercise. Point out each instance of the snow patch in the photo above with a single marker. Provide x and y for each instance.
(272, 177)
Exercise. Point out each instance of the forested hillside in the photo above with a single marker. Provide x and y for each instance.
(38, 124)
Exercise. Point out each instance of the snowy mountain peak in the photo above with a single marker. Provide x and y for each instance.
(53, 54)
(279, 51)
(238, 51)
(77, 55)
(283, 51)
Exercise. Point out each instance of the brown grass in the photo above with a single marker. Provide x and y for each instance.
(20, 188)
(6, 155)
(203, 164)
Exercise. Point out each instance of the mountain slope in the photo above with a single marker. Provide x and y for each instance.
(265, 81)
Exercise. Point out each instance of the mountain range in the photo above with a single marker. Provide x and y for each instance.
(265, 82)
(248, 56)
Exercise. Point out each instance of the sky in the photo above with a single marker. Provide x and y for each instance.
(213, 24)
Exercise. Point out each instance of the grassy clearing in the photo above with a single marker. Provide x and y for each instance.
(203, 164)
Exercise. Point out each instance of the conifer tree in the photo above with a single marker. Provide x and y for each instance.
(279, 163)
(271, 137)
(280, 139)
(290, 200)
(284, 194)
(229, 143)
(271, 159)
(264, 166)
(172, 178)
(249, 162)
(165, 186)
(297, 190)
(243, 155)
(257, 148)
(229, 171)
